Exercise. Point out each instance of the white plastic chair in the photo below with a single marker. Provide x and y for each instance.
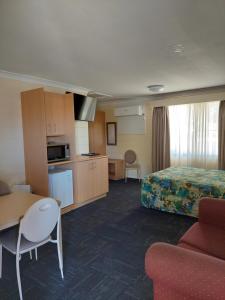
(34, 231)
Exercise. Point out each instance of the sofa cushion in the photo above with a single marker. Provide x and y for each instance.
(4, 188)
(189, 247)
(182, 274)
(206, 238)
(212, 212)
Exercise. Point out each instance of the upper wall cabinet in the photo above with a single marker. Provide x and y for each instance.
(55, 113)
(97, 135)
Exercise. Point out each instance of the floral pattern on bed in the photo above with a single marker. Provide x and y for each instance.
(178, 189)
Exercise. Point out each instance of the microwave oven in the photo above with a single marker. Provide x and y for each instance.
(58, 152)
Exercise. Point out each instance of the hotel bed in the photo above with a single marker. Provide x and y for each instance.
(178, 189)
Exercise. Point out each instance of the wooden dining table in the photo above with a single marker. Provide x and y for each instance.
(13, 207)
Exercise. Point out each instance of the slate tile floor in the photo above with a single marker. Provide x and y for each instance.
(104, 247)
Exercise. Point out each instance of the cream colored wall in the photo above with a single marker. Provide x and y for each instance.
(11, 137)
(142, 143)
(137, 142)
(11, 134)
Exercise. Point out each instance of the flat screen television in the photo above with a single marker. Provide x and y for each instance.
(84, 107)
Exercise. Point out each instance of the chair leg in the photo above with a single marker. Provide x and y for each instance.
(36, 255)
(59, 246)
(59, 249)
(18, 275)
(0, 260)
(31, 257)
(139, 175)
(125, 175)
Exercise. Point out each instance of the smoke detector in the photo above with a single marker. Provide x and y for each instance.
(156, 88)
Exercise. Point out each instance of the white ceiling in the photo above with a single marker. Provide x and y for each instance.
(117, 47)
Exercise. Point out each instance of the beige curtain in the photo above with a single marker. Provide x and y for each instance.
(160, 139)
(221, 154)
(194, 135)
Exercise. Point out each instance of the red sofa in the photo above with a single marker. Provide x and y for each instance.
(195, 268)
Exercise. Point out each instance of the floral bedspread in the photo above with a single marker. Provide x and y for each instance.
(178, 189)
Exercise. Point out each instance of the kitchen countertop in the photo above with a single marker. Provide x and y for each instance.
(80, 158)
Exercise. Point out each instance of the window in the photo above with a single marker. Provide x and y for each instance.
(194, 135)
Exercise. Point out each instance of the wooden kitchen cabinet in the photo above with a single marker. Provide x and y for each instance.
(49, 117)
(55, 113)
(83, 181)
(97, 134)
(41, 108)
(91, 178)
(116, 169)
(101, 180)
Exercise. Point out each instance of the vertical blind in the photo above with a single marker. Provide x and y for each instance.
(194, 135)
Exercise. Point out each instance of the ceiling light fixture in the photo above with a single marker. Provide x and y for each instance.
(178, 48)
(156, 88)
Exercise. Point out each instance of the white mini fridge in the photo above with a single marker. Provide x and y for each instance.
(61, 186)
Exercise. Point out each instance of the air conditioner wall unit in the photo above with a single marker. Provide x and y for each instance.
(136, 110)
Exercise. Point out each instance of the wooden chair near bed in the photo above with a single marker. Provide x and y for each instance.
(131, 163)
(195, 268)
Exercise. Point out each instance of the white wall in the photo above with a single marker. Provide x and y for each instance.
(81, 137)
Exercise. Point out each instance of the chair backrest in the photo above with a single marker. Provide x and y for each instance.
(130, 157)
(40, 220)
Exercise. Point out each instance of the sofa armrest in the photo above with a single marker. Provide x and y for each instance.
(212, 211)
(188, 273)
